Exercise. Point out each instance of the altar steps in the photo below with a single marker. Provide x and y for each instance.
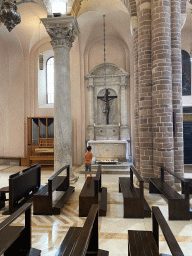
(121, 168)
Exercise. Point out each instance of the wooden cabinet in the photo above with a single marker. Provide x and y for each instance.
(40, 148)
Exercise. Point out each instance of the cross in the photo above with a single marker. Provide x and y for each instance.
(106, 98)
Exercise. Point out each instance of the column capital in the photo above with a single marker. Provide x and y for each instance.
(123, 85)
(90, 86)
(62, 30)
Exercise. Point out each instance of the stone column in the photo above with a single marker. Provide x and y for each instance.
(145, 89)
(62, 31)
(91, 127)
(177, 85)
(163, 153)
(136, 98)
(124, 131)
(124, 104)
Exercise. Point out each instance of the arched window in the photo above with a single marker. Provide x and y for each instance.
(50, 80)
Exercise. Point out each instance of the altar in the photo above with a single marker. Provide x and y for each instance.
(108, 97)
(110, 150)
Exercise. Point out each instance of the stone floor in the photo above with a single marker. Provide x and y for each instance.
(49, 231)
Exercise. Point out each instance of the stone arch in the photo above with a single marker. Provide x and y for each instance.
(130, 5)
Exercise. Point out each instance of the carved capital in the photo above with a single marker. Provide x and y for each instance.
(62, 30)
(123, 86)
(90, 87)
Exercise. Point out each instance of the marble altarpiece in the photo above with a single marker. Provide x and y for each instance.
(109, 138)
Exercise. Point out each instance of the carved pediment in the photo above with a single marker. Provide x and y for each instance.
(111, 71)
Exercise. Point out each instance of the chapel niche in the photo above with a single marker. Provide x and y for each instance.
(116, 81)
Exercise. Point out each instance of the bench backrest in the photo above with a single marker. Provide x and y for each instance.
(23, 184)
(186, 183)
(97, 182)
(159, 220)
(98, 177)
(88, 240)
(27, 235)
(141, 181)
(55, 180)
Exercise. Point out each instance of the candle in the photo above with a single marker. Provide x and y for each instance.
(94, 124)
(119, 124)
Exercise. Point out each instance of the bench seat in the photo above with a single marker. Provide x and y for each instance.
(165, 189)
(8, 234)
(16, 240)
(142, 243)
(146, 243)
(135, 206)
(83, 241)
(43, 199)
(125, 188)
(93, 193)
(178, 206)
(59, 205)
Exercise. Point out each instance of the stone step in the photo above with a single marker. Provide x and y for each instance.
(122, 168)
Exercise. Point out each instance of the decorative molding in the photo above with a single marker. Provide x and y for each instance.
(90, 86)
(62, 30)
(124, 85)
(121, 71)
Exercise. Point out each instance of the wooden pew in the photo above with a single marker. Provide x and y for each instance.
(178, 205)
(43, 199)
(83, 241)
(90, 195)
(16, 240)
(135, 205)
(21, 187)
(141, 243)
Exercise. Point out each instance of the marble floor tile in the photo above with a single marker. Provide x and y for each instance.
(49, 231)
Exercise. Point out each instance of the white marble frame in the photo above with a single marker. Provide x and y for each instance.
(116, 79)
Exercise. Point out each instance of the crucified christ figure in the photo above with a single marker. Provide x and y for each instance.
(106, 98)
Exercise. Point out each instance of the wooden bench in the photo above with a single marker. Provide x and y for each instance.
(43, 199)
(90, 195)
(83, 241)
(183, 185)
(22, 187)
(135, 205)
(178, 206)
(16, 240)
(3, 192)
(146, 243)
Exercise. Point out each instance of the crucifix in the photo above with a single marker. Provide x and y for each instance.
(106, 99)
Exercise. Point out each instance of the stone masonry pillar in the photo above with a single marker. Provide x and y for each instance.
(163, 151)
(145, 89)
(177, 85)
(136, 105)
(62, 31)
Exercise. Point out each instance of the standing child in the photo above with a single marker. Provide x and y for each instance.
(88, 157)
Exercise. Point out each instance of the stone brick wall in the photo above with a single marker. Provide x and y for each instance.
(145, 89)
(163, 151)
(177, 85)
(136, 100)
(158, 88)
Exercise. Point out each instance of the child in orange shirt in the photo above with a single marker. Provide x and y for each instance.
(88, 157)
